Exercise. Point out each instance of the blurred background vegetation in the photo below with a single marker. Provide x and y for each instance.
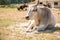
(7, 2)
(13, 3)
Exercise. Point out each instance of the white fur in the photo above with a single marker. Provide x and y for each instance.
(35, 16)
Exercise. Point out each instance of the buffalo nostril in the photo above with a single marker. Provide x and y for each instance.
(27, 17)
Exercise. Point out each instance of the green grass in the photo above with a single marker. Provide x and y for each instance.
(8, 6)
(6, 22)
(5, 9)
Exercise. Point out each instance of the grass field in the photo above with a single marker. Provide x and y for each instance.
(12, 29)
(10, 15)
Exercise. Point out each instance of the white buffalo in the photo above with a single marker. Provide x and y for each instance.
(40, 17)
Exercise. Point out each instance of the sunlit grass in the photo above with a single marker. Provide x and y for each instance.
(6, 9)
(6, 22)
(9, 16)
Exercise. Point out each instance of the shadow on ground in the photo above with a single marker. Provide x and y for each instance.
(51, 29)
(47, 30)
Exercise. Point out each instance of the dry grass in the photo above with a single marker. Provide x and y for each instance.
(8, 15)
(11, 29)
